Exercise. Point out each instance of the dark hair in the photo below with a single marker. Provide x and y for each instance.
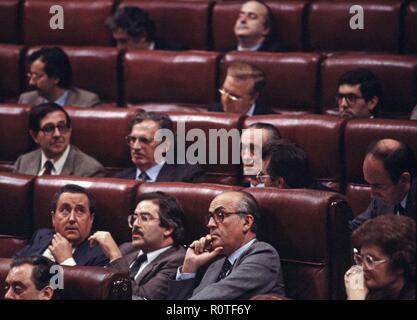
(395, 235)
(134, 21)
(73, 188)
(171, 214)
(396, 160)
(289, 161)
(37, 113)
(269, 22)
(41, 275)
(142, 115)
(57, 64)
(273, 132)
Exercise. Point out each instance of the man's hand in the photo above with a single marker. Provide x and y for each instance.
(198, 254)
(60, 248)
(107, 244)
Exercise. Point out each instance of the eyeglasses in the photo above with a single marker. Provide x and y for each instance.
(219, 216)
(35, 76)
(261, 177)
(142, 217)
(229, 96)
(350, 98)
(50, 128)
(368, 261)
(131, 140)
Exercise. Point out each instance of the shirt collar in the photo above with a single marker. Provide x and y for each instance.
(62, 99)
(403, 202)
(58, 163)
(251, 110)
(254, 48)
(235, 255)
(152, 172)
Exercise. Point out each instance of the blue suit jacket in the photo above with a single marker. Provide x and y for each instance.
(84, 255)
(259, 109)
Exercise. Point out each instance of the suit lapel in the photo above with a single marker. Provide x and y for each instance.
(71, 98)
(68, 168)
(165, 174)
(148, 270)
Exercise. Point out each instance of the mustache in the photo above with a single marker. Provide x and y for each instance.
(136, 230)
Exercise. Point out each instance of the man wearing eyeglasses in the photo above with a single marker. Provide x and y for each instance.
(50, 128)
(241, 89)
(359, 94)
(155, 252)
(143, 143)
(239, 265)
(73, 211)
(51, 77)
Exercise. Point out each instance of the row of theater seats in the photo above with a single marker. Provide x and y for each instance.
(303, 25)
(296, 82)
(307, 227)
(335, 147)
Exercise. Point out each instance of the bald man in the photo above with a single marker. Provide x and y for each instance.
(390, 170)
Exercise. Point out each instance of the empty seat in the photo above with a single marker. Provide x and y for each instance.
(9, 245)
(398, 74)
(410, 34)
(9, 21)
(288, 17)
(84, 23)
(291, 78)
(185, 22)
(358, 135)
(329, 27)
(10, 65)
(168, 76)
(321, 137)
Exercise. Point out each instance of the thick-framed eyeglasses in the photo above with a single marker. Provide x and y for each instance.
(36, 76)
(229, 95)
(220, 215)
(368, 261)
(350, 98)
(131, 140)
(142, 217)
(50, 128)
(261, 178)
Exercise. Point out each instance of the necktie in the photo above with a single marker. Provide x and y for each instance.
(399, 209)
(143, 176)
(225, 270)
(48, 168)
(136, 265)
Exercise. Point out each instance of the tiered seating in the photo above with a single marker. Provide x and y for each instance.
(410, 43)
(11, 66)
(9, 23)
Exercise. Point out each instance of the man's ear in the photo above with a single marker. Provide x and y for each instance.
(372, 103)
(168, 232)
(280, 183)
(405, 177)
(47, 293)
(34, 135)
(248, 222)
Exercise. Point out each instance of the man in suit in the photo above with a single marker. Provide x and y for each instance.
(144, 145)
(390, 170)
(73, 212)
(155, 252)
(51, 77)
(254, 29)
(256, 135)
(132, 28)
(50, 127)
(241, 88)
(285, 166)
(359, 94)
(239, 265)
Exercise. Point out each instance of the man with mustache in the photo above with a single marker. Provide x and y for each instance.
(359, 94)
(155, 251)
(51, 77)
(73, 210)
(239, 265)
(50, 127)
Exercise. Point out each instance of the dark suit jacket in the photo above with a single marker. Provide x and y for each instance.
(152, 282)
(259, 109)
(256, 271)
(378, 207)
(84, 255)
(77, 164)
(267, 46)
(161, 44)
(170, 173)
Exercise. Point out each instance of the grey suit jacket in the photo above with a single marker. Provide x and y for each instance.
(76, 97)
(152, 282)
(78, 164)
(256, 271)
(414, 114)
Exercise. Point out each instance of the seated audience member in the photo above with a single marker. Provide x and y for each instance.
(285, 166)
(254, 29)
(73, 210)
(132, 28)
(414, 114)
(359, 94)
(250, 150)
(143, 145)
(241, 89)
(29, 278)
(386, 260)
(50, 128)
(390, 170)
(155, 252)
(239, 265)
(51, 77)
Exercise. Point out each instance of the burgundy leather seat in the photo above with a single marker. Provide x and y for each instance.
(410, 27)
(9, 22)
(11, 68)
